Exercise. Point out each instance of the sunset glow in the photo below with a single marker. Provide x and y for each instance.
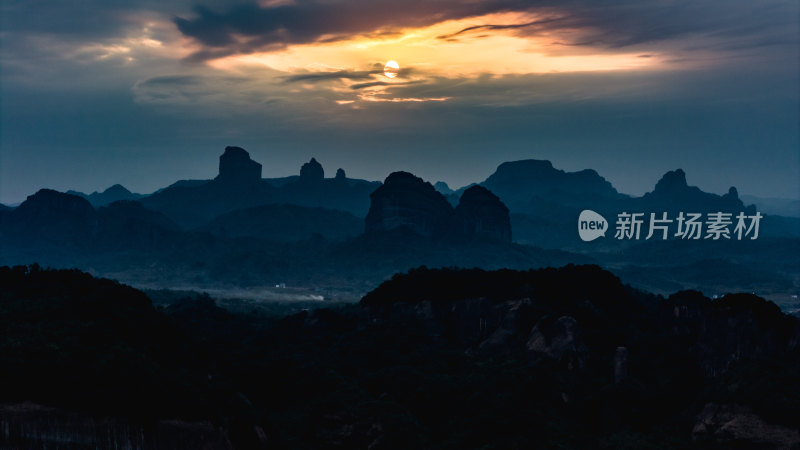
(429, 51)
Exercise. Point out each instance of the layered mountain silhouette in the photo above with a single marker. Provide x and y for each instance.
(531, 184)
(229, 228)
(672, 193)
(545, 202)
(192, 203)
(406, 201)
(50, 217)
(114, 193)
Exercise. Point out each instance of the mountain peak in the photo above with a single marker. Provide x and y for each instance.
(312, 171)
(481, 214)
(236, 166)
(117, 189)
(672, 181)
(407, 201)
(525, 166)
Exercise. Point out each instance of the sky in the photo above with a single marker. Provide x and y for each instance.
(145, 92)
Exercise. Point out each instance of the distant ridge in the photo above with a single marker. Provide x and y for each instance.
(110, 195)
(238, 185)
(673, 193)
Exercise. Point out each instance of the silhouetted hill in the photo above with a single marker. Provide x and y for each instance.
(407, 201)
(312, 189)
(237, 186)
(114, 193)
(522, 184)
(193, 203)
(433, 358)
(50, 218)
(95, 345)
(183, 183)
(286, 223)
(545, 202)
(481, 215)
(673, 194)
(226, 228)
(119, 372)
(616, 357)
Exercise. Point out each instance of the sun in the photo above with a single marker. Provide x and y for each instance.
(391, 69)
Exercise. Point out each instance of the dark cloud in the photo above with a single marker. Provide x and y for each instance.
(540, 24)
(250, 27)
(327, 76)
(384, 83)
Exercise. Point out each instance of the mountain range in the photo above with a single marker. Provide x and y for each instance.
(344, 231)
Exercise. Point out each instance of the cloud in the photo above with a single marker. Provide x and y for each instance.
(251, 27)
(541, 24)
(384, 83)
(335, 75)
(248, 28)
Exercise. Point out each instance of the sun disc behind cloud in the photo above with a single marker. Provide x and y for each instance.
(391, 69)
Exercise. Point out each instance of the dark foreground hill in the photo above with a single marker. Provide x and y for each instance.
(436, 358)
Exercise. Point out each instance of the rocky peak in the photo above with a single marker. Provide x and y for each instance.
(235, 166)
(312, 171)
(405, 200)
(673, 193)
(340, 175)
(480, 214)
(672, 181)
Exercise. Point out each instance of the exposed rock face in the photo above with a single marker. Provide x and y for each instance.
(481, 215)
(731, 424)
(407, 201)
(235, 166)
(620, 365)
(312, 172)
(559, 340)
(340, 175)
